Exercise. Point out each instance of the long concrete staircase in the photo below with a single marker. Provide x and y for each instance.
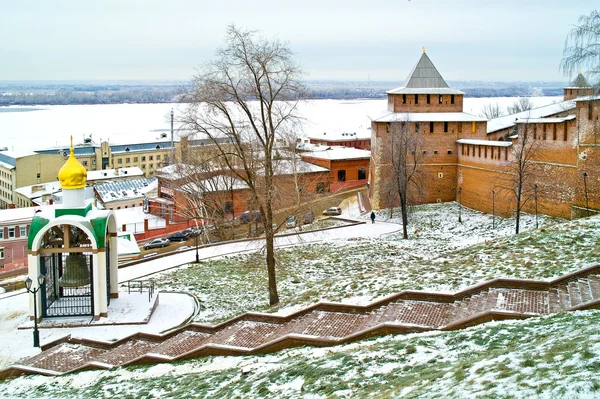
(325, 324)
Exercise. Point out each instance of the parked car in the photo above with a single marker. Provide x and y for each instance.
(190, 232)
(150, 255)
(290, 223)
(251, 217)
(334, 210)
(157, 243)
(308, 217)
(178, 237)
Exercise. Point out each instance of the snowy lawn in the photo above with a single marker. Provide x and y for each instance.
(441, 255)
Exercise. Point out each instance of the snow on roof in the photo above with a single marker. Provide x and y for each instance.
(485, 142)
(546, 120)
(219, 183)
(6, 165)
(39, 190)
(338, 153)
(587, 98)
(579, 82)
(432, 90)
(121, 190)
(94, 175)
(332, 135)
(133, 215)
(21, 214)
(287, 167)
(507, 121)
(388, 116)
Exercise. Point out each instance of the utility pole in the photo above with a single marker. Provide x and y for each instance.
(493, 209)
(172, 143)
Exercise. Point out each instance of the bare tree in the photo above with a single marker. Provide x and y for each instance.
(519, 105)
(403, 150)
(582, 46)
(491, 111)
(249, 95)
(521, 183)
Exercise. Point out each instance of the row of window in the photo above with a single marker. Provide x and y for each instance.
(479, 150)
(10, 232)
(459, 126)
(341, 175)
(544, 133)
(416, 99)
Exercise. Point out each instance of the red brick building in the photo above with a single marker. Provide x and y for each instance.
(471, 160)
(348, 166)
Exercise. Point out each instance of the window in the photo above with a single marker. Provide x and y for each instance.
(151, 165)
(120, 160)
(151, 158)
(93, 162)
(473, 127)
(404, 99)
(158, 157)
(435, 152)
(451, 98)
(143, 159)
(39, 175)
(11, 232)
(429, 99)
(430, 127)
(417, 127)
(1, 233)
(320, 187)
(228, 208)
(143, 166)
(22, 231)
(416, 98)
(1, 253)
(135, 159)
(449, 152)
(445, 127)
(424, 152)
(459, 127)
(387, 127)
(127, 160)
(85, 163)
(440, 100)
(341, 175)
(362, 174)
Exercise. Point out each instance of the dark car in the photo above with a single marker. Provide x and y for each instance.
(308, 218)
(157, 243)
(251, 217)
(191, 232)
(178, 237)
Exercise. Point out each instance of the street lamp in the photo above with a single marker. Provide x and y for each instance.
(587, 208)
(459, 206)
(196, 234)
(493, 209)
(34, 291)
(536, 207)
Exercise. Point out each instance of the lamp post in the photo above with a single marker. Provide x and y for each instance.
(493, 209)
(196, 234)
(172, 143)
(587, 208)
(536, 208)
(459, 206)
(34, 291)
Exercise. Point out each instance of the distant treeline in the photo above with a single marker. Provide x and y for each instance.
(37, 93)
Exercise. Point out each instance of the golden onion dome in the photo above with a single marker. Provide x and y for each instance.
(72, 175)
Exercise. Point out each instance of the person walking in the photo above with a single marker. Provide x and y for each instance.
(372, 217)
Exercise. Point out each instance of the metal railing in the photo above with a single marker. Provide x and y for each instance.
(141, 286)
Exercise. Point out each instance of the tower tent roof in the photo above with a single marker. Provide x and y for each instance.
(424, 78)
(579, 81)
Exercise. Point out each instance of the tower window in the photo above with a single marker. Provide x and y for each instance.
(451, 98)
(440, 100)
(416, 98)
(445, 127)
(430, 127)
(404, 99)
(429, 99)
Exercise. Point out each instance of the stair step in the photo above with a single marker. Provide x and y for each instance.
(563, 297)
(574, 294)
(594, 282)
(554, 301)
(127, 352)
(244, 334)
(65, 357)
(181, 343)
(585, 290)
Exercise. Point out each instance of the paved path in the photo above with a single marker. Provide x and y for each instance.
(326, 324)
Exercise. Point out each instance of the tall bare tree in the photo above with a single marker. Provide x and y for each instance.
(523, 170)
(582, 46)
(404, 152)
(249, 95)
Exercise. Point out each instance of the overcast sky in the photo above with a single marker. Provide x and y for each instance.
(499, 40)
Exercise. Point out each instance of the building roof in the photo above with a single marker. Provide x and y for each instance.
(39, 190)
(492, 143)
(105, 174)
(121, 190)
(587, 98)
(508, 121)
(388, 116)
(332, 135)
(424, 78)
(156, 145)
(79, 150)
(546, 120)
(20, 214)
(578, 82)
(337, 153)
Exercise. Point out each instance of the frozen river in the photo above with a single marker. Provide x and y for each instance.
(48, 126)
